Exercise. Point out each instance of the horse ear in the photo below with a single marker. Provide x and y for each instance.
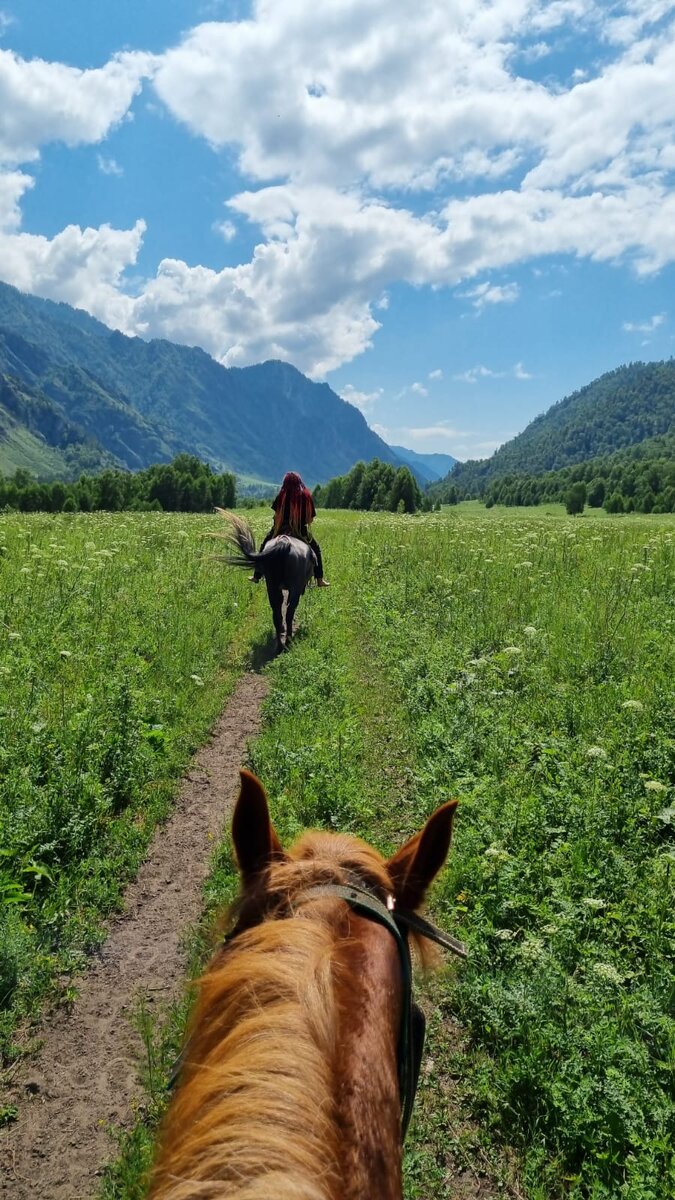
(255, 842)
(416, 864)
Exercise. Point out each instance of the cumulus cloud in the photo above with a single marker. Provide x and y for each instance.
(370, 115)
(83, 267)
(44, 102)
(419, 389)
(436, 375)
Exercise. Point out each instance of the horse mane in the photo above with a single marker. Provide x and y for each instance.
(253, 1116)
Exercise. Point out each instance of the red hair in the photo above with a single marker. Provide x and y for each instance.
(294, 506)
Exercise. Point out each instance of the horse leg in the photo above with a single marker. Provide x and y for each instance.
(276, 599)
(291, 605)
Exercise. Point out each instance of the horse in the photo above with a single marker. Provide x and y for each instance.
(287, 565)
(299, 1066)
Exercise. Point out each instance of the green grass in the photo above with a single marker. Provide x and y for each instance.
(524, 663)
(120, 642)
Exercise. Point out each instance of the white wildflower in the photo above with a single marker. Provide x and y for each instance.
(596, 752)
(607, 972)
(635, 705)
(592, 902)
(197, 680)
(530, 631)
(654, 785)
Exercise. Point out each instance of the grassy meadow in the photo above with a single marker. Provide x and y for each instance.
(520, 660)
(118, 646)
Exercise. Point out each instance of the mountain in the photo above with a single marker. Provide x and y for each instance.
(428, 468)
(622, 408)
(77, 390)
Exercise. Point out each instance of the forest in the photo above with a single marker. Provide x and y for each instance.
(373, 487)
(184, 485)
(638, 479)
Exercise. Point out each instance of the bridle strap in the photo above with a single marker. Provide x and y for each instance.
(412, 920)
(398, 921)
(363, 901)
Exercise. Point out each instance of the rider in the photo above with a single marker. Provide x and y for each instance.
(294, 512)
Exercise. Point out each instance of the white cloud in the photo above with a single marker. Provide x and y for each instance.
(6, 19)
(43, 102)
(419, 389)
(440, 430)
(363, 400)
(84, 267)
(366, 104)
(109, 166)
(436, 375)
(487, 293)
(649, 326)
(226, 229)
(480, 372)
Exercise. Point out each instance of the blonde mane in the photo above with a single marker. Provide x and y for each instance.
(254, 1112)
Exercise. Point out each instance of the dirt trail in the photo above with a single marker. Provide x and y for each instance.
(85, 1076)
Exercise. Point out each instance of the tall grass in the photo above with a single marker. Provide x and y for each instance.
(118, 644)
(536, 664)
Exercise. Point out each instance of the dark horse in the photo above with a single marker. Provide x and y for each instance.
(287, 564)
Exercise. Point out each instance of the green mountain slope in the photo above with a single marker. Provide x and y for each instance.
(620, 409)
(428, 468)
(145, 402)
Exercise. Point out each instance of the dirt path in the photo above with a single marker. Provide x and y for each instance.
(85, 1077)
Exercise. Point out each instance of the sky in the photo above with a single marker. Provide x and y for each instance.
(454, 211)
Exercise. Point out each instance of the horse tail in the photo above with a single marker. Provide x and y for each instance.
(240, 535)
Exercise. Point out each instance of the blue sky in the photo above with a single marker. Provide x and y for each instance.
(455, 211)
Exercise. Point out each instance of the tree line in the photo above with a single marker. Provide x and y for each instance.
(184, 485)
(373, 487)
(640, 479)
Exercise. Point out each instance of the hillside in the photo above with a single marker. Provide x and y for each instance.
(428, 468)
(642, 476)
(74, 382)
(618, 410)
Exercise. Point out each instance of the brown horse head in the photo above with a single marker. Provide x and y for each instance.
(289, 1084)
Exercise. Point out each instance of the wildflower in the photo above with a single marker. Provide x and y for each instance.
(596, 752)
(65, 654)
(498, 853)
(530, 631)
(592, 902)
(532, 949)
(526, 564)
(13, 636)
(505, 935)
(197, 680)
(607, 972)
(512, 650)
(635, 705)
(653, 785)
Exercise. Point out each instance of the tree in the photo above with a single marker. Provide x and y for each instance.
(596, 493)
(576, 499)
